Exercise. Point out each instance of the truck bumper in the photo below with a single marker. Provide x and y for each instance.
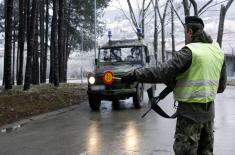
(113, 94)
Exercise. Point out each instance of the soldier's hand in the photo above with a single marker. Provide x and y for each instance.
(129, 78)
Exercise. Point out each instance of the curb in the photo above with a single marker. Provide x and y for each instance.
(16, 125)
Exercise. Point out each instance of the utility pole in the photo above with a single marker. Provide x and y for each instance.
(95, 25)
(233, 62)
(82, 40)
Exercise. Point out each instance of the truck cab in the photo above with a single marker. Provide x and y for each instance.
(118, 57)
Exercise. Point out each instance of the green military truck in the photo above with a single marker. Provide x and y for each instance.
(116, 58)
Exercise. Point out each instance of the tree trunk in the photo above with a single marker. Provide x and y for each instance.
(223, 11)
(163, 18)
(35, 66)
(13, 54)
(54, 41)
(69, 46)
(8, 45)
(155, 43)
(52, 68)
(46, 43)
(221, 25)
(186, 11)
(21, 40)
(163, 40)
(194, 7)
(51, 74)
(66, 41)
(172, 29)
(61, 40)
(30, 46)
(42, 46)
(143, 20)
(186, 8)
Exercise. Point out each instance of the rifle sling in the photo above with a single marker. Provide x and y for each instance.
(161, 112)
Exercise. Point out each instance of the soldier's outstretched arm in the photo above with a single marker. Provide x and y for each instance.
(165, 72)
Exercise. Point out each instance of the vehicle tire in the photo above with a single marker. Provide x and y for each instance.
(151, 91)
(138, 96)
(94, 103)
(115, 104)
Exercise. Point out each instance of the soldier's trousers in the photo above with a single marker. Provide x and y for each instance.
(192, 138)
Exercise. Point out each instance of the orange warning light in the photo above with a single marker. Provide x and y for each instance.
(108, 77)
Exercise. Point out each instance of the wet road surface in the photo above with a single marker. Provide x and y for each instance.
(114, 132)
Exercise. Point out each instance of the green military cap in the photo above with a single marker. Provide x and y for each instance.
(194, 20)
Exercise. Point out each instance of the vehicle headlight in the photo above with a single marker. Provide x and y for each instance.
(91, 79)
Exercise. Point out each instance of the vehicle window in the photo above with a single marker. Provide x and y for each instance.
(125, 54)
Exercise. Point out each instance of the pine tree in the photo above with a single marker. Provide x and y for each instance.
(8, 45)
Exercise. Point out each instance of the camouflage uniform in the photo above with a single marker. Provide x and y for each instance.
(192, 138)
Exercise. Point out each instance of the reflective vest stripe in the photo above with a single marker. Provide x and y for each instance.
(190, 83)
(195, 89)
(198, 94)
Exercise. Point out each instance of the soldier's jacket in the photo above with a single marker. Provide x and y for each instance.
(167, 72)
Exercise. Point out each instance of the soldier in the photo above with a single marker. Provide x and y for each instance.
(196, 73)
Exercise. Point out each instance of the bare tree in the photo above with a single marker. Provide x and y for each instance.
(162, 18)
(142, 15)
(194, 7)
(177, 14)
(163, 24)
(155, 42)
(186, 8)
(172, 29)
(223, 11)
(187, 5)
(204, 6)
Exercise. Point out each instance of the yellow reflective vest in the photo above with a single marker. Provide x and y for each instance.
(200, 82)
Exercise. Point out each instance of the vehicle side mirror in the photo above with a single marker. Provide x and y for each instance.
(148, 59)
(96, 61)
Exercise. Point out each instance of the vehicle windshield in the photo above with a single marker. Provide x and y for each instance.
(124, 54)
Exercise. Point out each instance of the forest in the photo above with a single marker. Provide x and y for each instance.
(45, 31)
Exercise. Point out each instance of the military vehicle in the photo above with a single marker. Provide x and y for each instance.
(116, 58)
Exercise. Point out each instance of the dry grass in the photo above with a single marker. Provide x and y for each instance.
(16, 104)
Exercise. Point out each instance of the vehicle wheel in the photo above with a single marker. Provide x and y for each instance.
(151, 91)
(94, 103)
(138, 97)
(116, 104)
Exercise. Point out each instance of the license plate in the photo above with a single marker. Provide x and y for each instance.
(98, 87)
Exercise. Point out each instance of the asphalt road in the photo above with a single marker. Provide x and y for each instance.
(113, 132)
